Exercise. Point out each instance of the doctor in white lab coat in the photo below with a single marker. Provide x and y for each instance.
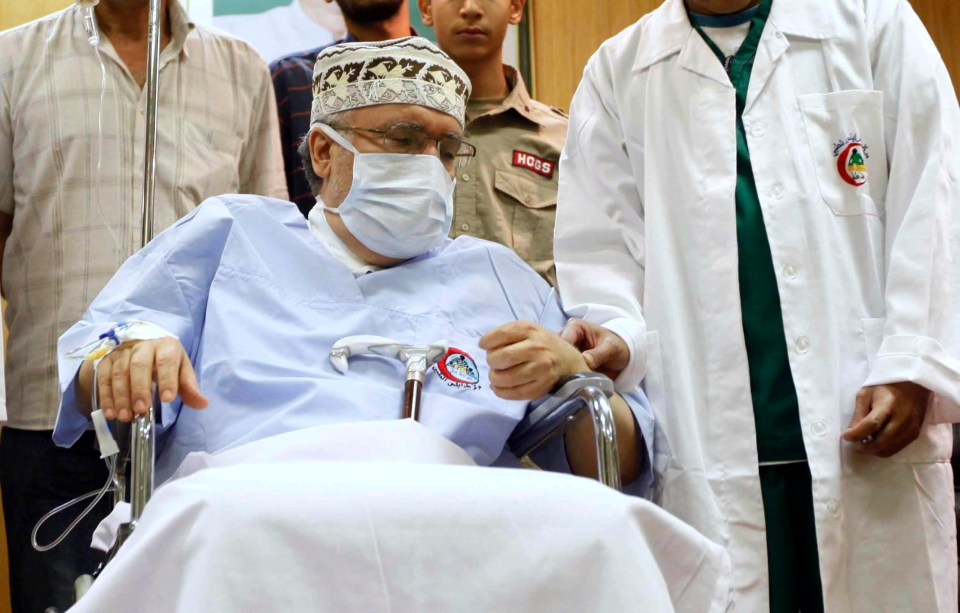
(767, 220)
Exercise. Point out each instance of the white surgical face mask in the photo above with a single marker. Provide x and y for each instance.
(399, 205)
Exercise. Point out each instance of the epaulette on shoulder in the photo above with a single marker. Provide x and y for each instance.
(555, 111)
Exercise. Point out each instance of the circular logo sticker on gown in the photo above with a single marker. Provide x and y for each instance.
(459, 367)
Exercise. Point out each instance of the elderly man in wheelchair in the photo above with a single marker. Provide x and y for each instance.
(289, 348)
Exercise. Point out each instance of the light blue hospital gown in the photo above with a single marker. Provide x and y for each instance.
(257, 301)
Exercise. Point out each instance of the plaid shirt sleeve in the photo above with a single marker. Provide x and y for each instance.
(6, 137)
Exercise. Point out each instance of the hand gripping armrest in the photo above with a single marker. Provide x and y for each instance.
(584, 392)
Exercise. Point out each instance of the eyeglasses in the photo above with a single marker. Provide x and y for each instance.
(405, 139)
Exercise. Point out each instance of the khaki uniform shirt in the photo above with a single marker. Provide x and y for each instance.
(508, 192)
(216, 133)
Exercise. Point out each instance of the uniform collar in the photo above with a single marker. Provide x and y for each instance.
(667, 30)
(518, 99)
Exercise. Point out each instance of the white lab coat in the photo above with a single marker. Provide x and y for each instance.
(646, 241)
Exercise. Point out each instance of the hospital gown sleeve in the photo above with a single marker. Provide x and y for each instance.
(167, 284)
(261, 159)
(921, 338)
(599, 245)
(553, 455)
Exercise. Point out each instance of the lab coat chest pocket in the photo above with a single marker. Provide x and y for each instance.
(935, 442)
(844, 131)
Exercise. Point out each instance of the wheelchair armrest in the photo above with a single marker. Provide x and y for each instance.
(548, 417)
(136, 461)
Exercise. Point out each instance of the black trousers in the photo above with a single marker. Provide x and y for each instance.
(956, 478)
(35, 477)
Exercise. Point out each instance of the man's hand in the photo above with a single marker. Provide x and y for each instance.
(887, 418)
(125, 377)
(603, 350)
(526, 360)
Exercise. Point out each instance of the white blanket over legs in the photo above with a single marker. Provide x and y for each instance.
(297, 523)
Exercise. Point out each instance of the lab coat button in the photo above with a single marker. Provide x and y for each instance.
(777, 191)
(465, 227)
(819, 428)
(758, 129)
(802, 344)
(834, 507)
(465, 177)
(790, 271)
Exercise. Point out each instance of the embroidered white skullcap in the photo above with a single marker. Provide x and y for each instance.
(408, 70)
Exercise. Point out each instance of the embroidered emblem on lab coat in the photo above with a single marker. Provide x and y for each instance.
(852, 157)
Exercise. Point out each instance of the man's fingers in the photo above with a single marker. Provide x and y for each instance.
(527, 391)
(519, 375)
(610, 352)
(860, 427)
(508, 356)
(141, 377)
(169, 354)
(189, 387)
(890, 439)
(862, 406)
(902, 428)
(590, 357)
(573, 332)
(105, 389)
(869, 426)
(508, 334)
(120, 380)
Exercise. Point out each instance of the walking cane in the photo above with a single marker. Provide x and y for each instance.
(417, 358)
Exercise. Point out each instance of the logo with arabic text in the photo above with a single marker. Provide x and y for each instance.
(458, 369)
(852, 156)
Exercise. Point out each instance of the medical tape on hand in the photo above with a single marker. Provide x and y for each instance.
(117, 335)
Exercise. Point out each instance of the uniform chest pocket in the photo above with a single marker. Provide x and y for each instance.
(530, 208)
(845, 132)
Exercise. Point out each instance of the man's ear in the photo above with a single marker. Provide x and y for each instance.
(320, 153)
(516, 11)
(426, 12)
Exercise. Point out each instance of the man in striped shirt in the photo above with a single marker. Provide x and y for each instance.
(71, 165)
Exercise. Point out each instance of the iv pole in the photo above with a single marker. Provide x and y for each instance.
(142, 440)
